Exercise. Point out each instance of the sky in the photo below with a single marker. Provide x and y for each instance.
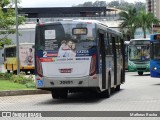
(60, 3)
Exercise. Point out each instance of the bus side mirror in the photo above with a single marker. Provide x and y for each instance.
(2, 54)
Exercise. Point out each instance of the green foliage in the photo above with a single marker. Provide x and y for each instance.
(90, 4)
(126, 6)
(30, 85)
(8, 85)
(145, 21)
(8, 20)
(5, 76)
(129, 20)
(114, 4)
(133, 20)
(21, 79)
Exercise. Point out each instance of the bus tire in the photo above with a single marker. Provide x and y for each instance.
(32, 72)
(15, 72)
(26, 72)
(140, 73)
(8, 71)
(118, 87)
(56, 94)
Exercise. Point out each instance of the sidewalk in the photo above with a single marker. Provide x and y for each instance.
(22, 92)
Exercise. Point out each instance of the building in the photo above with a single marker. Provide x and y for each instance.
(48, 12)
(153, 7)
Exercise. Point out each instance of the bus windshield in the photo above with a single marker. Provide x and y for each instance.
(139, 52)
(10, 52)
(56, 36)
(156, 53)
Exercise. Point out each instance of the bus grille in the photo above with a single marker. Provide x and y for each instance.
(140, 62)
(141, 68)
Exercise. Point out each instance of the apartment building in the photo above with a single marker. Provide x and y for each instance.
(154, 7)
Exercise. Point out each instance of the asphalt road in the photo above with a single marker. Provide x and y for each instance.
(139, 93)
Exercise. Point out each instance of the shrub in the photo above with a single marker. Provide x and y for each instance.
(21, 79)
(1, 75)
(6, 76)
(30, 85)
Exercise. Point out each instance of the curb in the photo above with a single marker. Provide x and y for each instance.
(22, 92)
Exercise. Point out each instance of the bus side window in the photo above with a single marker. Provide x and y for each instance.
(117, 45)
(11, 52)
(109, 44)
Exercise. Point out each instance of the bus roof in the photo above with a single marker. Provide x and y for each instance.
(68, 21)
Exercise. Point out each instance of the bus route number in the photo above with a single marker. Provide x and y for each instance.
(66, 82)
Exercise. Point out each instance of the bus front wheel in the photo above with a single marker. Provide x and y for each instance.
(8, 71)
(140, 73)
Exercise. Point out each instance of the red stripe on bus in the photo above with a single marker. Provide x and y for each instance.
(46, 59)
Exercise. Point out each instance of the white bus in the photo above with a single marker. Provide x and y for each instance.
(78, 55)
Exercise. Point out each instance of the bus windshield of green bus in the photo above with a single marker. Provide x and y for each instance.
(65, 36)
(139, 52)
(156, 53)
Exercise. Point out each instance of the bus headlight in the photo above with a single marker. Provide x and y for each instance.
(131, 64)
(154, 68)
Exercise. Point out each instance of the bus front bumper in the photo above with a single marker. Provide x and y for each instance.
(136, 68)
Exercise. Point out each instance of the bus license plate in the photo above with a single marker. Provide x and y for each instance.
(66, 82)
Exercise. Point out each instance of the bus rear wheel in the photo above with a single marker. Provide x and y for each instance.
(56, 94)
(8, 71)
(140, 73)
(118, 87)
(15, 72)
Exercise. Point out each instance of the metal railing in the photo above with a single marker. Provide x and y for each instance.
(34, 20)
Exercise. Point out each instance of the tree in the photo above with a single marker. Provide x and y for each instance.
(139, 6)
(7, 20)
(145, 21)
(87, 4)
(99, 4)
(126, 6)
(90, 4)
(128, 22)
(113, 4)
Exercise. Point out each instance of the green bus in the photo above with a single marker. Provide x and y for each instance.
(139, 55)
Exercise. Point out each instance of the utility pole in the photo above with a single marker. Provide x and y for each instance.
(17, 39)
